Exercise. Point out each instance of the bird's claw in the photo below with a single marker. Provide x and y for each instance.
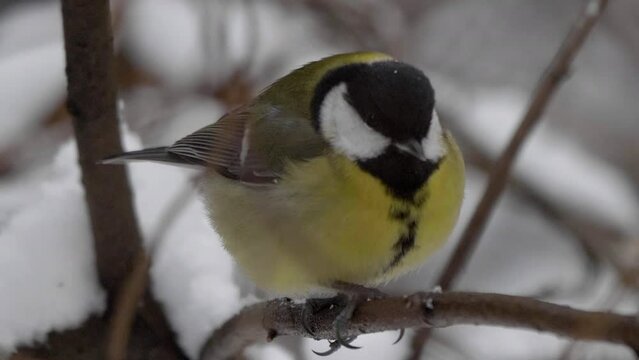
(334, 346)
(342, 320)
(348, 305)
(400, 337)
(350, 297)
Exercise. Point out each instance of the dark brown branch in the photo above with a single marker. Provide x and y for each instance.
(267, 320)
(613, 299)
(92, 104)
(546, 87)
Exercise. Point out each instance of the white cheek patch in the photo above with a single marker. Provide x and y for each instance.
(433, 143)
(342, 126)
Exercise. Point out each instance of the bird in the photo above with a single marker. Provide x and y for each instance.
(340, 172)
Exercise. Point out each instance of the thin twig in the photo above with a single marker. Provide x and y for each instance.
(546, 87)
(135, 284)
(599, 241)
(267, 320)
(125, 308)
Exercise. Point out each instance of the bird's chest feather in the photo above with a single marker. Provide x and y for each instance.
(329, 221)
(351, 219)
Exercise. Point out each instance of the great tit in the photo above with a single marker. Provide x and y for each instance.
(339, 171)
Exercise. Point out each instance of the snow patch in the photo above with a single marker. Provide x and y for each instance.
(48, 277)
(164, 36)
(555, 164)
(32, 85)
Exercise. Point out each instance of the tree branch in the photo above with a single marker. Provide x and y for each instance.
(267, 320)
(92, 103)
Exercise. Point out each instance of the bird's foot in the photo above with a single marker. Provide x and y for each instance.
(313, 307)
(349, 298)
(362, 294)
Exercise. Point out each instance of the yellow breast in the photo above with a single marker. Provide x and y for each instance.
(327, 220)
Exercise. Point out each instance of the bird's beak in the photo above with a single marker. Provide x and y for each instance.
(413, 148)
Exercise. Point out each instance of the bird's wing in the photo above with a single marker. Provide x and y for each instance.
(252, 145)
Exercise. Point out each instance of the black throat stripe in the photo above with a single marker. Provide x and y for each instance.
(407, 213)
(404, 244)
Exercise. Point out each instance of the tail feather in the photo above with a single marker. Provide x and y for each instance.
(159, 154)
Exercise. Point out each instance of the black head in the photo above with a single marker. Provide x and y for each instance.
(381, 115)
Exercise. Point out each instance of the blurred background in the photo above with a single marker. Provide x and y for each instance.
(566, 231)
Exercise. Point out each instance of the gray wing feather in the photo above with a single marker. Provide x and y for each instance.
(250, 148)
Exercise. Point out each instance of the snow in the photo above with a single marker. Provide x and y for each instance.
(165, 36)
(480, 342)
(268, 351)
(32, 85)
(186, 43)
(552, 162)
(31, 68)
(29, 25)
(302, 44)
(191, 274)
(192, 277)
(48, 281)
(429, 304)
